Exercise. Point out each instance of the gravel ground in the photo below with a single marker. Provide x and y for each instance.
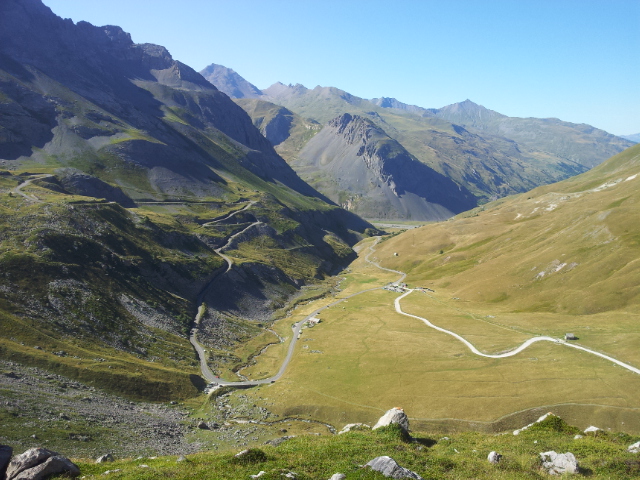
(38, 408)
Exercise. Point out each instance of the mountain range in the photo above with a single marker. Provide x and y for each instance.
(139, 173)
(481, 151)
(151, 225)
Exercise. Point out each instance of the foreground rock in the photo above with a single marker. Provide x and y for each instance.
(559, 463)
(635, 448)
(395, 415)
(390, 468)
(494, 457)
(543, 417)
(38, 463)
(338, 476)
(5, 457)
(351, 427)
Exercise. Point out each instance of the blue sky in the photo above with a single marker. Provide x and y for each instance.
(575, 60)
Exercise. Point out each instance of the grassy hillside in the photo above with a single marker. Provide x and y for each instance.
(287, 131)
(459, 456)
(120, 285)
(560, 259)
(568, 248)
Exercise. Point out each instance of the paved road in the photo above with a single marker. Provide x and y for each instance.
(516, 350)
(226, 217)
(193, 337)
(32, 198)
(296, 329)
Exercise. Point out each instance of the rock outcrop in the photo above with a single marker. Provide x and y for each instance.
(354, 427)
(38, 463)
(543, 417)
(375, 176)
(395, 415)
(635, 448)
(494, 457)
(559, 463)
(390, 468)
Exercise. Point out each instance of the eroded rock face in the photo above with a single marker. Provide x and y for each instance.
(38, 463)
(395, 415)
(390, 468)
(559, 463)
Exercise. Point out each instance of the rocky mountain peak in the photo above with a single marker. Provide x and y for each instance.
(280, 90)
(468, 111)
(353, 128)
(230, 82)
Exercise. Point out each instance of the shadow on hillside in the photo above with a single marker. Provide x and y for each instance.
(427, 442)
(197, 381)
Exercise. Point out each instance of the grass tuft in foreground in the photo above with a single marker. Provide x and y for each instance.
(459, 456)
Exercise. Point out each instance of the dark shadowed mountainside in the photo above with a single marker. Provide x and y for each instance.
(134, 191)
(228, 81)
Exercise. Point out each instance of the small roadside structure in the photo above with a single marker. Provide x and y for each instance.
(570, 336)
(313, 321)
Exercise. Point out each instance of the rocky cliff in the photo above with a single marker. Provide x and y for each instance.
(371, 174)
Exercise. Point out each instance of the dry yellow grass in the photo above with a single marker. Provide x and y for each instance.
(486, 273)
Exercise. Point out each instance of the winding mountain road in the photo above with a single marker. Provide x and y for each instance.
(32, 198)
(297, 327)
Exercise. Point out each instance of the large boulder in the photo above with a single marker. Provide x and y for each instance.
(390, 468)
(395, 415)
(38, 463)
(559, 463)
(635, 448)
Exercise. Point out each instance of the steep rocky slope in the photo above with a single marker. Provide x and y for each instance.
(366, 171)
(288, 132)
(85, 115)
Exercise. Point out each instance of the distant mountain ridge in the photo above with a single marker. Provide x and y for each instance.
(486, 152)
(140, 173)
